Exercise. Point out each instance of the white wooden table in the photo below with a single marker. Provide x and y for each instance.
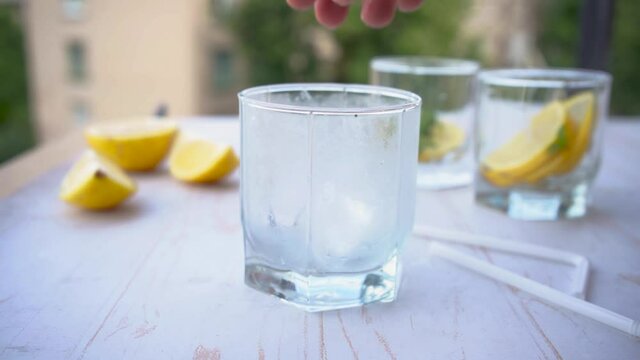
(162, 277)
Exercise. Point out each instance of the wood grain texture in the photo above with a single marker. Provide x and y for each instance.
(162, 277)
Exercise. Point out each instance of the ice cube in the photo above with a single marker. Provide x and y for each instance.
(343, 230)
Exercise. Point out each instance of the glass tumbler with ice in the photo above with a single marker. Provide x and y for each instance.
(328, 190)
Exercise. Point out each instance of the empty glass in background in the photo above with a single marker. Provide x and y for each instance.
(328, 190)
(539, 133)
(446, 87)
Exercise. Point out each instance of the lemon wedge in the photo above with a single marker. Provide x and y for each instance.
(199, 160)
(137, 145)
(580, 111)
(446, 137)
(526, 152)
(96, 183)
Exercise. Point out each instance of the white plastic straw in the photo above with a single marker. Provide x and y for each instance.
(544, 292)
(578, 287)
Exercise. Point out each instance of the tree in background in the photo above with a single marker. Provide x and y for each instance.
(432, 30)
(15, 129)
(275, 41)
(560, 32)
(625, 59)
(283, 45)
(559, 42)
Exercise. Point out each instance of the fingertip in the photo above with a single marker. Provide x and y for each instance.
(330, 14)
(300, 4)
(376, 23)
(378, 13)
(409, 5)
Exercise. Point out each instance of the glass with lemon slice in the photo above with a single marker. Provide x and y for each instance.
(538, 137)
(446, 88)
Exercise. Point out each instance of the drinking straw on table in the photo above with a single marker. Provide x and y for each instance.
(537, 289)
(579, 285)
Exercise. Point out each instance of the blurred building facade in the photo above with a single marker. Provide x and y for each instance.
(96, 60)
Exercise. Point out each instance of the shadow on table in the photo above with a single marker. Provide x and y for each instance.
(129, 210)
(612, 204)
(226, 184)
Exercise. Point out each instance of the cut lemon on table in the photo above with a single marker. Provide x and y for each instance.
(580, 111)
(445, 138)
(199, 160)
(137, 145)
(96, 183)
(544, 139)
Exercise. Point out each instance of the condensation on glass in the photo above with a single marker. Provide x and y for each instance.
(328, 191)
(446, 127)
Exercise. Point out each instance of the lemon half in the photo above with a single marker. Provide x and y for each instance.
(199, 160)
(96, 183)
(137, 145)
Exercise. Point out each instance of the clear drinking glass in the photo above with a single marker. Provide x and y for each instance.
(538, 138)
(328, 190)
(446, 89)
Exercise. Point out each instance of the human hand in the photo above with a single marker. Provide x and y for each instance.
(374, 13)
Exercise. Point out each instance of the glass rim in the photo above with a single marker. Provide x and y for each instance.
(545, 77)
(424, 65)
(411, 100)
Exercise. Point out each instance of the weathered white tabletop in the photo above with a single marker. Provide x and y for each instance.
(162, 277)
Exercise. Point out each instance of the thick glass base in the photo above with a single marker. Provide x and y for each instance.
(328, 291)
(534, 204)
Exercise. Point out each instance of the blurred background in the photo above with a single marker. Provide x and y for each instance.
(64, 63)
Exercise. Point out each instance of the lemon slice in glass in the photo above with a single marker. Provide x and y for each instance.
(138, 144)
(526, 152)
(580, 111)
(446, 137)
(96, 183)
(199, 160)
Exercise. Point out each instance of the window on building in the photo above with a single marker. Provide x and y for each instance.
(80, 112)
(222, 69)
(77, 61)
(73, 9)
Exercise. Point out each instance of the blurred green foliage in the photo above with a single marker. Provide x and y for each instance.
(560, 32)
(559, 41)
(16, 134)
(273, 40)
(625, 58)
(277, 42)
(432, 30)
(279, 45)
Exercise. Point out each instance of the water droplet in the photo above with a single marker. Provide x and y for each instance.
(272, 220)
